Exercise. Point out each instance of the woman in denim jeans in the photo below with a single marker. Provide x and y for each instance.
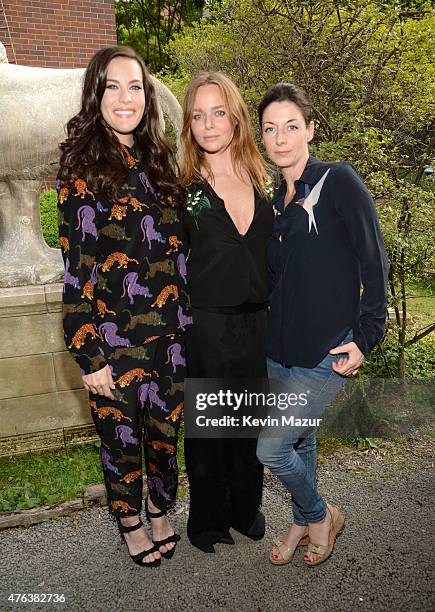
(326, 244)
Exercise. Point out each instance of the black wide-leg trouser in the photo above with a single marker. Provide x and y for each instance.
(146, 413)
(225, 476)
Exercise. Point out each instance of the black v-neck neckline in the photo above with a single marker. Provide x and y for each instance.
(218, 197)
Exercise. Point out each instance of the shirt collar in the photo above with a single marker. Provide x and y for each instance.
(312, 173)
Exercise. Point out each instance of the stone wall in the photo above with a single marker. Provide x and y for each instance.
(42, 399)
(57, 33)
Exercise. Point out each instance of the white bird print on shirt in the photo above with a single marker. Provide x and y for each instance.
(311, 200)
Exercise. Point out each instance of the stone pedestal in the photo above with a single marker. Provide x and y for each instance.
(42, 399)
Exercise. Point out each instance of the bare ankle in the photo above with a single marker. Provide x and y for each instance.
(129, 521)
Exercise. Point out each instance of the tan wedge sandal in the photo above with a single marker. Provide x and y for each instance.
(324, 552)
(283, 550)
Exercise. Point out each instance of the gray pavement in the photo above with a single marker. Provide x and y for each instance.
(382, 561)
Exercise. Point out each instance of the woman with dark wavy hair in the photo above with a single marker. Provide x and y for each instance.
(125, 308)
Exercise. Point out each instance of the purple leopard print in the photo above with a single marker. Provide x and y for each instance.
(101, 208)
(69, 279)
(131, 287)
(123, 432)
(183, 320)
(110, 333)
(106, 459)
(85, 217)
(146, 183)
(142, 394)
(148, 231)
(175, 356)
(154, 398)
(156, 484)
(181, 265)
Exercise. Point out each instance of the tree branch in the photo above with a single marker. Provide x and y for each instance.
(418, 336)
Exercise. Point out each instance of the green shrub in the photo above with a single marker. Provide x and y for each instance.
(419, 358)
(48, 212)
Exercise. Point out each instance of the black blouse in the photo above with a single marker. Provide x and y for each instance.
(318, 263)
(224, 267)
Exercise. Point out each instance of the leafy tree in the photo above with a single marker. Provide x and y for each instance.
(366, 65)
(149, 25)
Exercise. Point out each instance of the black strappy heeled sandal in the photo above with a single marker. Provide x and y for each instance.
(139, 558)
(157, 543)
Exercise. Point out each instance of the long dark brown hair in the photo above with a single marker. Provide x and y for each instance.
(93, 153)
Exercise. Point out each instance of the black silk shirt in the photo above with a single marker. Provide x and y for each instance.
(225, 268)
(125, 268)
(318, 262)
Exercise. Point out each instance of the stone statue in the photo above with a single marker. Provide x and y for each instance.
(36, 104)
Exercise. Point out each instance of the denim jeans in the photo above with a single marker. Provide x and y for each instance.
(294, 460)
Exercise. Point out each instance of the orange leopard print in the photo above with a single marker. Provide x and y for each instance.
(164, 295)
(120, 505)
(118, 212)
(106, 411)
(63, 194)
(82, 189)
(176, 412)
(128, 377)
(120, 258)
(159, 445)
(132, 163)
(153, 469)
(102, 309)
(88, 291)
(151, 339)
(135, 203)
(80, 335)
(174, 243)
(132, 476)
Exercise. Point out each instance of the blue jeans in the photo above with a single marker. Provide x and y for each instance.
(294, 460)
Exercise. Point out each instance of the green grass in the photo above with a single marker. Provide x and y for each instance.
(34, 480)
(43, 479)
(421, 301)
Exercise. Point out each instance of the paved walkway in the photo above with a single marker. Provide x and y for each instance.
(381, 562)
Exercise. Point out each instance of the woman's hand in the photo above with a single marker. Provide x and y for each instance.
(351, 363)
(100, 382)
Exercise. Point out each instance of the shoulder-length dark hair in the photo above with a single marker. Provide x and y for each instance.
(93, 153)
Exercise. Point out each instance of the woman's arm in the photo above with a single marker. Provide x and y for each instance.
(357, 209)
(78, 235)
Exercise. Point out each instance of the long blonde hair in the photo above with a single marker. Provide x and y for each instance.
(245, 153)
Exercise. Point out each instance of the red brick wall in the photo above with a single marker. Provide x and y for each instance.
(57, 33)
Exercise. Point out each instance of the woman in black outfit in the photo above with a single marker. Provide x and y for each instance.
(229, 222)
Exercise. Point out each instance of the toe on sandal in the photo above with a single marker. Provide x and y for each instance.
(325, 551)
(283, 550)
(175, 537)
(278, 542)
(139, 558)
(169, 553)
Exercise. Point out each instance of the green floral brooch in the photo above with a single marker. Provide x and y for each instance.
(196, 203)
